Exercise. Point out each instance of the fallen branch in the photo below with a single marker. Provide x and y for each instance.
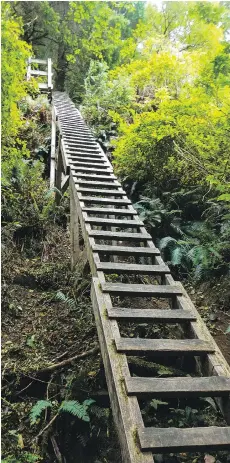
(56, 449)
(46, 427)
(88, 353)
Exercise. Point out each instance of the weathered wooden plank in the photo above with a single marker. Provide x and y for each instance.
(80, 138)
(115, 222)
(178, 387)
(65, 184)
(38, 61)
(83, 163)
(125, 250)
(109, 176)
(112, 267)
(35, 72)
(126, 411)
(92, 183)
(141, 290)
(161, 347)
(94, 199)
(110, 235)
(104, 170)
(82, 157)
(82, 149)
(49, 73)
(97, 191)
(79, 141)
(109, 210)
(64, 158)
(167, 440)
(75, 126)
(154, 315)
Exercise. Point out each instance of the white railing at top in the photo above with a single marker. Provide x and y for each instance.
(47, 86)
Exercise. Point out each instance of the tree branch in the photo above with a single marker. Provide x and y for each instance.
(88, 353)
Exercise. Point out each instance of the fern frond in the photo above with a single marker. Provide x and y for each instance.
(83, 439)
(199, 272)
(167, 241)
(37, 409)
(75, 408)
(60, 296)
(88, 402)
(177, 255)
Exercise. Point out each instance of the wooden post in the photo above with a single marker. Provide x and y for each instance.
(53, 148)
(58, 176)
(74, 231)
(28, 69)
(49, 70)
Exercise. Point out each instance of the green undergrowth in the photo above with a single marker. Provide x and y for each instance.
(47, 319)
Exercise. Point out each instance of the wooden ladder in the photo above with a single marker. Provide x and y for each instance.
(47, 86)
(117, 242)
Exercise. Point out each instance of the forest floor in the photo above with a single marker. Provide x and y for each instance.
(46, 320)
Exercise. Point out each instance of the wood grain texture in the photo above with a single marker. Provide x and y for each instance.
(141, 290)
(161, 347)
(111, 267)
(178, 387)
(185, 440)
(154, 315)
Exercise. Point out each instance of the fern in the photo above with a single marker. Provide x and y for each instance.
(60, 296)
(75, 408)
(177, 255)
(168, 241)
(37, 409)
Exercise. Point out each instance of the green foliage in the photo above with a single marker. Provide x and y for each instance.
(200, 251)
(37, 410)
(150, 210)
(14, 87)
(70, 302)
(75, 408)
(25, 457)
(101, 97)
(23, 185)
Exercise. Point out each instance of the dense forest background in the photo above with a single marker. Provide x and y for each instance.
(153, 83)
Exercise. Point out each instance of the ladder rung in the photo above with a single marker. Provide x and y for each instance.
(38, 61)
(72, 146)
(82, 155)
(125, 250)
(108, 210)
(93, 159)
(88, 182)
(179, 440)
(109, 235)
(101, 191)
(35, 72)
(112, 267)
(83, 163)
(94, 199)
(141, 290)
(110, 176)
(155, 315)
(178, 387)
(118, 223)
(161, 347)
(91, 169)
